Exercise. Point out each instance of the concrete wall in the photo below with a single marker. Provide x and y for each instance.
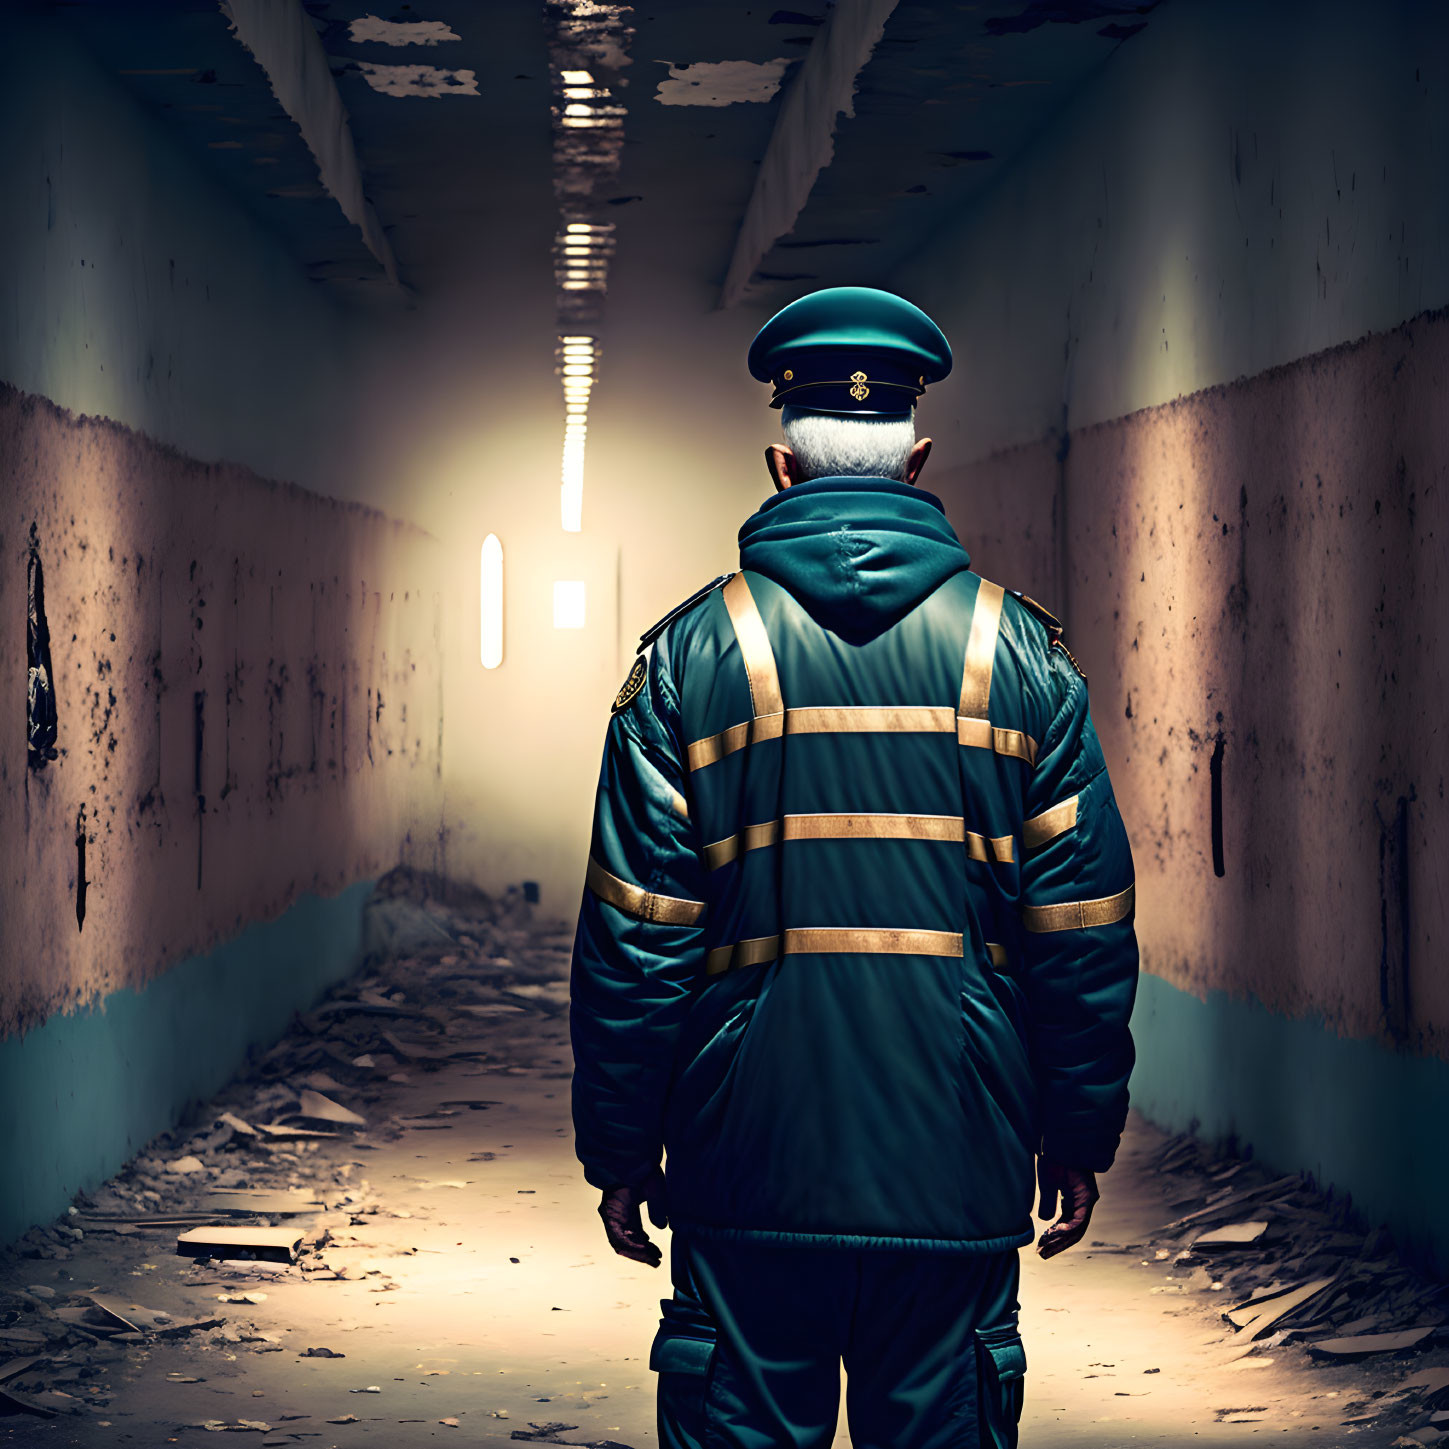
(1196, 411)
(247, 676)
(247, 689)
(135, 288)
(1240, 186)
(247, 684)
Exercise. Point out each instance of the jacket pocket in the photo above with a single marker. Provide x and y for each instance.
(682, 1348)
(1001, 1371)
(683, 1355)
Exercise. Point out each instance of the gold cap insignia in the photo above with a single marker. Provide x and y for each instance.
(629, 690)
(859, 391)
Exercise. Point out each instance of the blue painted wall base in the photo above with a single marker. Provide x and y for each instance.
(1366, 1120)
(80, 1094)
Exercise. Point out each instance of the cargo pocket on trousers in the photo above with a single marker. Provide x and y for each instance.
(682, 1355)
(1001, 1370)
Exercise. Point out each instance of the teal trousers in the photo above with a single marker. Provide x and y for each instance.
(749, 1348)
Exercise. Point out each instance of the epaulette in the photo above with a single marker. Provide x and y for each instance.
(655, 630)
(1053, 626)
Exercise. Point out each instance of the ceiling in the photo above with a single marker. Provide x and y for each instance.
(950, 96)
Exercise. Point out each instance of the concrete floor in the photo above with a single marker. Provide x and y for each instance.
(482, 1297)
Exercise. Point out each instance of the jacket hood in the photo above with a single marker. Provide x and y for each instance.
(858, 553)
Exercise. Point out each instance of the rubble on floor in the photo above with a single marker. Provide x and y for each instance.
(269, 1186)
(1292, 1266)
(243, 1191)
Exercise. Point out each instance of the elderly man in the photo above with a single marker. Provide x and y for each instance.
(856, 944)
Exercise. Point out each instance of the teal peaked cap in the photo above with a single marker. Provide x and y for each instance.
(855, 351)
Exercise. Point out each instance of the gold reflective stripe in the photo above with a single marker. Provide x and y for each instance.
(1014, 742)
(716, 747)
(973, 725)
(989, 847)
(742, 953)
(819, 720)
(1050, 823)
(635, 901)
(751, 838)
(759, 658)
(871, 940)
(903, 719)
(907, 719)
(981, 651)
(983, 735)
(680, 804)
(874, 827)
(997, 953)
(949, 828)
(1079, 915)
(834, 940)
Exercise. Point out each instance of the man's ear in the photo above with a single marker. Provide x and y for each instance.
(783, 465)
(916, 459)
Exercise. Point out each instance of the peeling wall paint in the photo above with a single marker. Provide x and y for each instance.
(247, 682)
(1256, 578)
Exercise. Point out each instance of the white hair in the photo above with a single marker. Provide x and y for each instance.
(827, 446)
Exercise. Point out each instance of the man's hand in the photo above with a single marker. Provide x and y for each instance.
(624, 1225)
(1078, 1191)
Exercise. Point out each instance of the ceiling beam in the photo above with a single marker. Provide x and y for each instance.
(802, 144)
(284, 42)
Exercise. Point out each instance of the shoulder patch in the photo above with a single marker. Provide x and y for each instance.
(629, 690)
(655, 630)
(1053, 626)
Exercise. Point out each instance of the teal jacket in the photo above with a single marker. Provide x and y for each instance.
(856, 941)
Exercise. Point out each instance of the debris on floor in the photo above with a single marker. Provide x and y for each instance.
(275, 1188)
(1292, 1267)
(243, 1189)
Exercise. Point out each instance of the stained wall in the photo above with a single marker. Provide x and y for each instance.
(135, 287)
(1201, 350)
(247, 686)
(246, 667)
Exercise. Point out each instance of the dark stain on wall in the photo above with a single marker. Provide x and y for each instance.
(171, 586)
(42, 728)
(1395, 920)
(1320, 630)
(198, 739)
(1215, 778)
(80, 868)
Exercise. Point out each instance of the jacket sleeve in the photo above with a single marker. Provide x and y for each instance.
(639, 950)
(1079, 945)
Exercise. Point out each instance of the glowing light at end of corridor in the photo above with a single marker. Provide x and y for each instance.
(568, 604)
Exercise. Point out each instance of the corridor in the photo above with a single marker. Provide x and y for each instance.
(1035, 408)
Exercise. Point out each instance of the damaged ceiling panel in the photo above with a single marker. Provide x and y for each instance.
(457, 116)
(951, 95)
(450, 110)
